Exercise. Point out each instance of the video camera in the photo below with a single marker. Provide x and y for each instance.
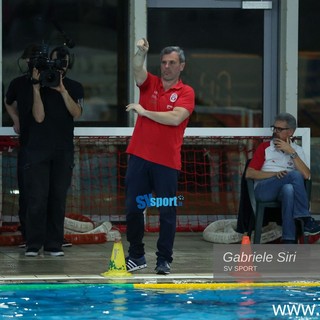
(48, 68)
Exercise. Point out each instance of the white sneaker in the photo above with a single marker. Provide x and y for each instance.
(54, 252)
(31, 252)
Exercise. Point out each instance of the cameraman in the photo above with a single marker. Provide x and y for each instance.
(46, 119)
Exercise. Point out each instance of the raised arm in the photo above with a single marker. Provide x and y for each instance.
(37, 106)
(139, 70)
(74, 108)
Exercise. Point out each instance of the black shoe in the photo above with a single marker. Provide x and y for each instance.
(22, 244)
(311, 227)
(163, 267)
(133, 264)
(66, 243)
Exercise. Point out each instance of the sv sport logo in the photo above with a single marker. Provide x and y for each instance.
(147, 200)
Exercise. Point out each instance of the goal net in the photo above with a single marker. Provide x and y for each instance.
(208, 187)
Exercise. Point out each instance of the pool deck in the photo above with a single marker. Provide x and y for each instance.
(193, 260)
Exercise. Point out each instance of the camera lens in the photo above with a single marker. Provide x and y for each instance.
(50, 78)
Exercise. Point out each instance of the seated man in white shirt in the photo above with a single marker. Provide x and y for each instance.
(279, 170)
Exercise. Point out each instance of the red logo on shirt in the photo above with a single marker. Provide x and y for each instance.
(173, 97)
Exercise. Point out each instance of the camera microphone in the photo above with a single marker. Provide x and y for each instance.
(68, 41)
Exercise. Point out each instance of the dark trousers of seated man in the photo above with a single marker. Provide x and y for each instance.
(290, 191)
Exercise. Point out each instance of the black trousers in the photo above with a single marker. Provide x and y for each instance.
(45, 187)
(22, 205)
(142, 178)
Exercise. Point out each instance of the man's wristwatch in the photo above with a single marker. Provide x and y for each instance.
(293, 155)
(34, 81)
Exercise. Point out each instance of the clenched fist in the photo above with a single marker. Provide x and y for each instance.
(143, 45)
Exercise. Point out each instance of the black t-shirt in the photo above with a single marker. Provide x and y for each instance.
(39, 140)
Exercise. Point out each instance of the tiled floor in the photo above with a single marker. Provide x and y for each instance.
(193, 262)
(193, 259)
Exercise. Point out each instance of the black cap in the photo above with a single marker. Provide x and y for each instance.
(62, 52)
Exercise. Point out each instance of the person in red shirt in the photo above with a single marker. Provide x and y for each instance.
(164, 109)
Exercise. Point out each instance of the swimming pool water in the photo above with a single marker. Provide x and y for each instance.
(123, 301)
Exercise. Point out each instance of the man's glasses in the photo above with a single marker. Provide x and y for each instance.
(278, 129)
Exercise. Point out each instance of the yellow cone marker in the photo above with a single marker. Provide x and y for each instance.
(117, 264)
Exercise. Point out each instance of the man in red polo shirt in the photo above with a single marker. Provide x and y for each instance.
(152, 175)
